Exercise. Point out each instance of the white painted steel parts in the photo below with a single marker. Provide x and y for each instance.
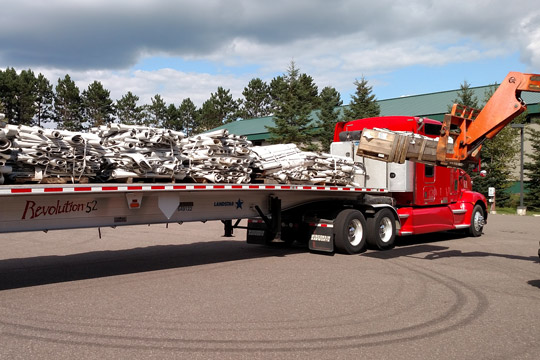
(118, 151)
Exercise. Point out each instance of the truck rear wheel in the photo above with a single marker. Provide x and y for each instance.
(349, 232)
(382, 229)
(477, 221)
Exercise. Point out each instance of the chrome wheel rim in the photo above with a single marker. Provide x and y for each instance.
(355, 232)
(478, 221)
(385, 230)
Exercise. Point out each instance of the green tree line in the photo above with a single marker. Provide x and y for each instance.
(291, 98)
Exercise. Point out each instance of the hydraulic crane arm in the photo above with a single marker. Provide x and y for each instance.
(469, 128)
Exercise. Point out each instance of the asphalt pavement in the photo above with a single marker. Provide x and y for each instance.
(152, 292)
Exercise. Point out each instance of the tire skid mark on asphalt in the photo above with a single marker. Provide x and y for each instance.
(438, 325)
(510, 270)
(232, 326)
(327, 322)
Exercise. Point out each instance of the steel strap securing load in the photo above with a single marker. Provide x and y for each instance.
(117, 151)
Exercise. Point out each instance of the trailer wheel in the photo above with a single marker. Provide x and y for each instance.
(382, 229)
(477, 221)
(349, 232)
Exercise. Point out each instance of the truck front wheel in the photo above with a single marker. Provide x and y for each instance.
(382, 229)
(477, 221)
(349, 232)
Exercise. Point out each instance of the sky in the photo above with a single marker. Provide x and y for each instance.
(186, 49)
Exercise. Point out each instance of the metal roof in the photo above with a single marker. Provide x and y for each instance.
(432, 105)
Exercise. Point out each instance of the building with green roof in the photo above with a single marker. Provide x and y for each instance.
(431, 105)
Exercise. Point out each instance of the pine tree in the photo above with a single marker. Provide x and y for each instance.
(68, 105)
(295, 97)
(257, 100)
(18, 94)
(44, 101)
(8, 91)
(226, 107)
(156, 113)
(532, 170)
(363, 103)
(128, 111)
(172, 119)
(466, 97)
(187, 114)
(328, 116)
(98, 107)
(208, 116)
(26, 97)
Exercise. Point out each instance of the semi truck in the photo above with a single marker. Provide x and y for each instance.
(392, 198)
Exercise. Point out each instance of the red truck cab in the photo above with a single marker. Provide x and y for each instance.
(441, 197)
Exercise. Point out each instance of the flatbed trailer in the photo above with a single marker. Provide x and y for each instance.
(35, 207)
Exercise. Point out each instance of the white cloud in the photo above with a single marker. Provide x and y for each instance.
(172, 85)
(335, 42)
(529, 39)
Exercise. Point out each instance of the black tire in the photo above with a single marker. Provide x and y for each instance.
(289, 235)
(477, 221)
(381, 230)
(350, 232)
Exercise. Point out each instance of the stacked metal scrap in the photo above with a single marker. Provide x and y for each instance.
(140, 152)
(120, 151)
(287, 164)
(219, 157)
(116, 151)
(36, 153)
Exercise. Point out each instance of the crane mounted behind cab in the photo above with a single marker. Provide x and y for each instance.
(469, 128)
(460, 137)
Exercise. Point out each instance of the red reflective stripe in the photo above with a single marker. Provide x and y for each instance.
(134, 187)
(84, 188)
(219, 186)
(199, 187)
(269, 187)
(306, 187)
(16, 191)
(320, 188)
(155, 187)
(109, 188)
(333, 188)
(236, 187)
(53, 189)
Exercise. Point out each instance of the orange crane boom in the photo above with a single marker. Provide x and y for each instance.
(469, 127)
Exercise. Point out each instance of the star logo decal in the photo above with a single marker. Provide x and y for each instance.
(239, 204)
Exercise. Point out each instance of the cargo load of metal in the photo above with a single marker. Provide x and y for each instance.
(119, 152)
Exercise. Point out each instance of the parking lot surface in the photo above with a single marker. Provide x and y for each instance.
(151, 292)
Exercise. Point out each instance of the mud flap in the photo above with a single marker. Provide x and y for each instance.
(322, 236)
(258, 233)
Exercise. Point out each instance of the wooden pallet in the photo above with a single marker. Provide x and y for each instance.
(394, 147)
